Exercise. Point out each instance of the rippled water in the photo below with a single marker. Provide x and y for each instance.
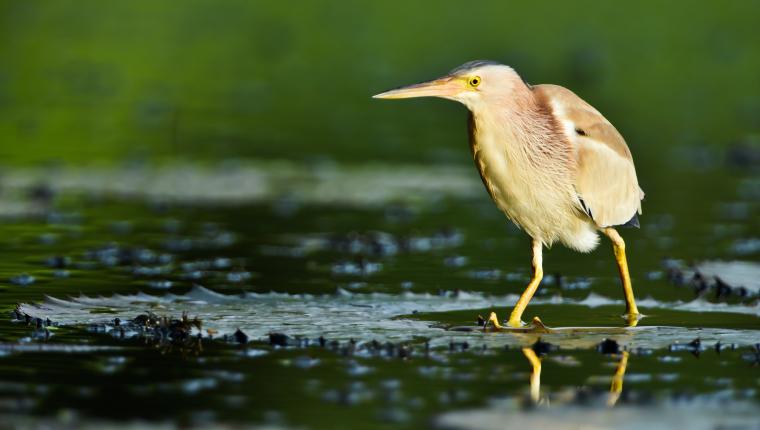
(315, 300)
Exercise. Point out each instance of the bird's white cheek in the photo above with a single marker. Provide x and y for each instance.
(470, 99)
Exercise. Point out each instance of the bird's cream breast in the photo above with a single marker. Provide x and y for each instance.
(505, 179)
(535, 196)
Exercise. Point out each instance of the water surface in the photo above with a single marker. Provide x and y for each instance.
(340, 302)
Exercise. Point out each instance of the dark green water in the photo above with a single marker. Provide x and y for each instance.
(397, 274)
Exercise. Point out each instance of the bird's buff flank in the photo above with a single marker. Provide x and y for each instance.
(550, 161)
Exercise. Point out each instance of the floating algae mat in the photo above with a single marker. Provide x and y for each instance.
(292, 303)
(385, 317)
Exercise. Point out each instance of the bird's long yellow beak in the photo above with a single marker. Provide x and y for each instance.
(447, 86)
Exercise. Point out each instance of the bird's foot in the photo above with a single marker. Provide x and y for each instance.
(494, 321)
(514, 319)
(515, 322)
(536, 325)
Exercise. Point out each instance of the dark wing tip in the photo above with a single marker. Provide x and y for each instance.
(633, 222)
(585, 208)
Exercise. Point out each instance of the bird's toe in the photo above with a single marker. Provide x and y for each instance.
(493, 320)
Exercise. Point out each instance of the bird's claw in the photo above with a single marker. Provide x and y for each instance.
(493, 320)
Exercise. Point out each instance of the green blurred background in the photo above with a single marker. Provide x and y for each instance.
(92, 81)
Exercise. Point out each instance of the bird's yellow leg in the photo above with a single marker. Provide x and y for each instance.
(616, 388)
(538, 273)
(535, 376)
(618, 246)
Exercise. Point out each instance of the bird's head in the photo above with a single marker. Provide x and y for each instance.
(472, 84)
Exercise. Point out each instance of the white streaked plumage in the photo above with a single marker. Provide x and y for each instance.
(550, 161)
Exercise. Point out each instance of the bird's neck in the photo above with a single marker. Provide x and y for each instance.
(517, 121)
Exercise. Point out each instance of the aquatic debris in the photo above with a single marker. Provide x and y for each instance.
(54, 348)
(346, 315)
(240, 337)
(160, 285)
(58, 262)
(373, 243)
(361, 267)
(40, 326)
(459, 346)
(724, 278)
(446, 237)
(455, 261)
(239, 276)
(194, 275)
(211, 237)
(581, 283)
(673, 272)
(41, 192)
(368, 244)
(17, 315)
(746, 246)
(181, 326)
(542, 348)
(166, 333)
(608, 346)
(23, 279)
(402, 350)
(695, 347)
(754, 356)
(744, 154)
(305, 362)
(279, 339)
(485, 274)
(199, 269)
(61, 273)
(720, 346)
(148, 271)
(212, 264)
(113, 254)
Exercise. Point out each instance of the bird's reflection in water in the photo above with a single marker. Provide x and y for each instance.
(616, 387)
(535, 375)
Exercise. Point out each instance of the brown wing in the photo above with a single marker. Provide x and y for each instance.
(606, 182)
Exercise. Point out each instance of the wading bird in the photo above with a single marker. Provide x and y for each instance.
(550, 161)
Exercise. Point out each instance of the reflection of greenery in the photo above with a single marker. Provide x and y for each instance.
(91, 80)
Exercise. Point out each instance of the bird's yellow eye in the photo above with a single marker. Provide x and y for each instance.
(474, 81)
